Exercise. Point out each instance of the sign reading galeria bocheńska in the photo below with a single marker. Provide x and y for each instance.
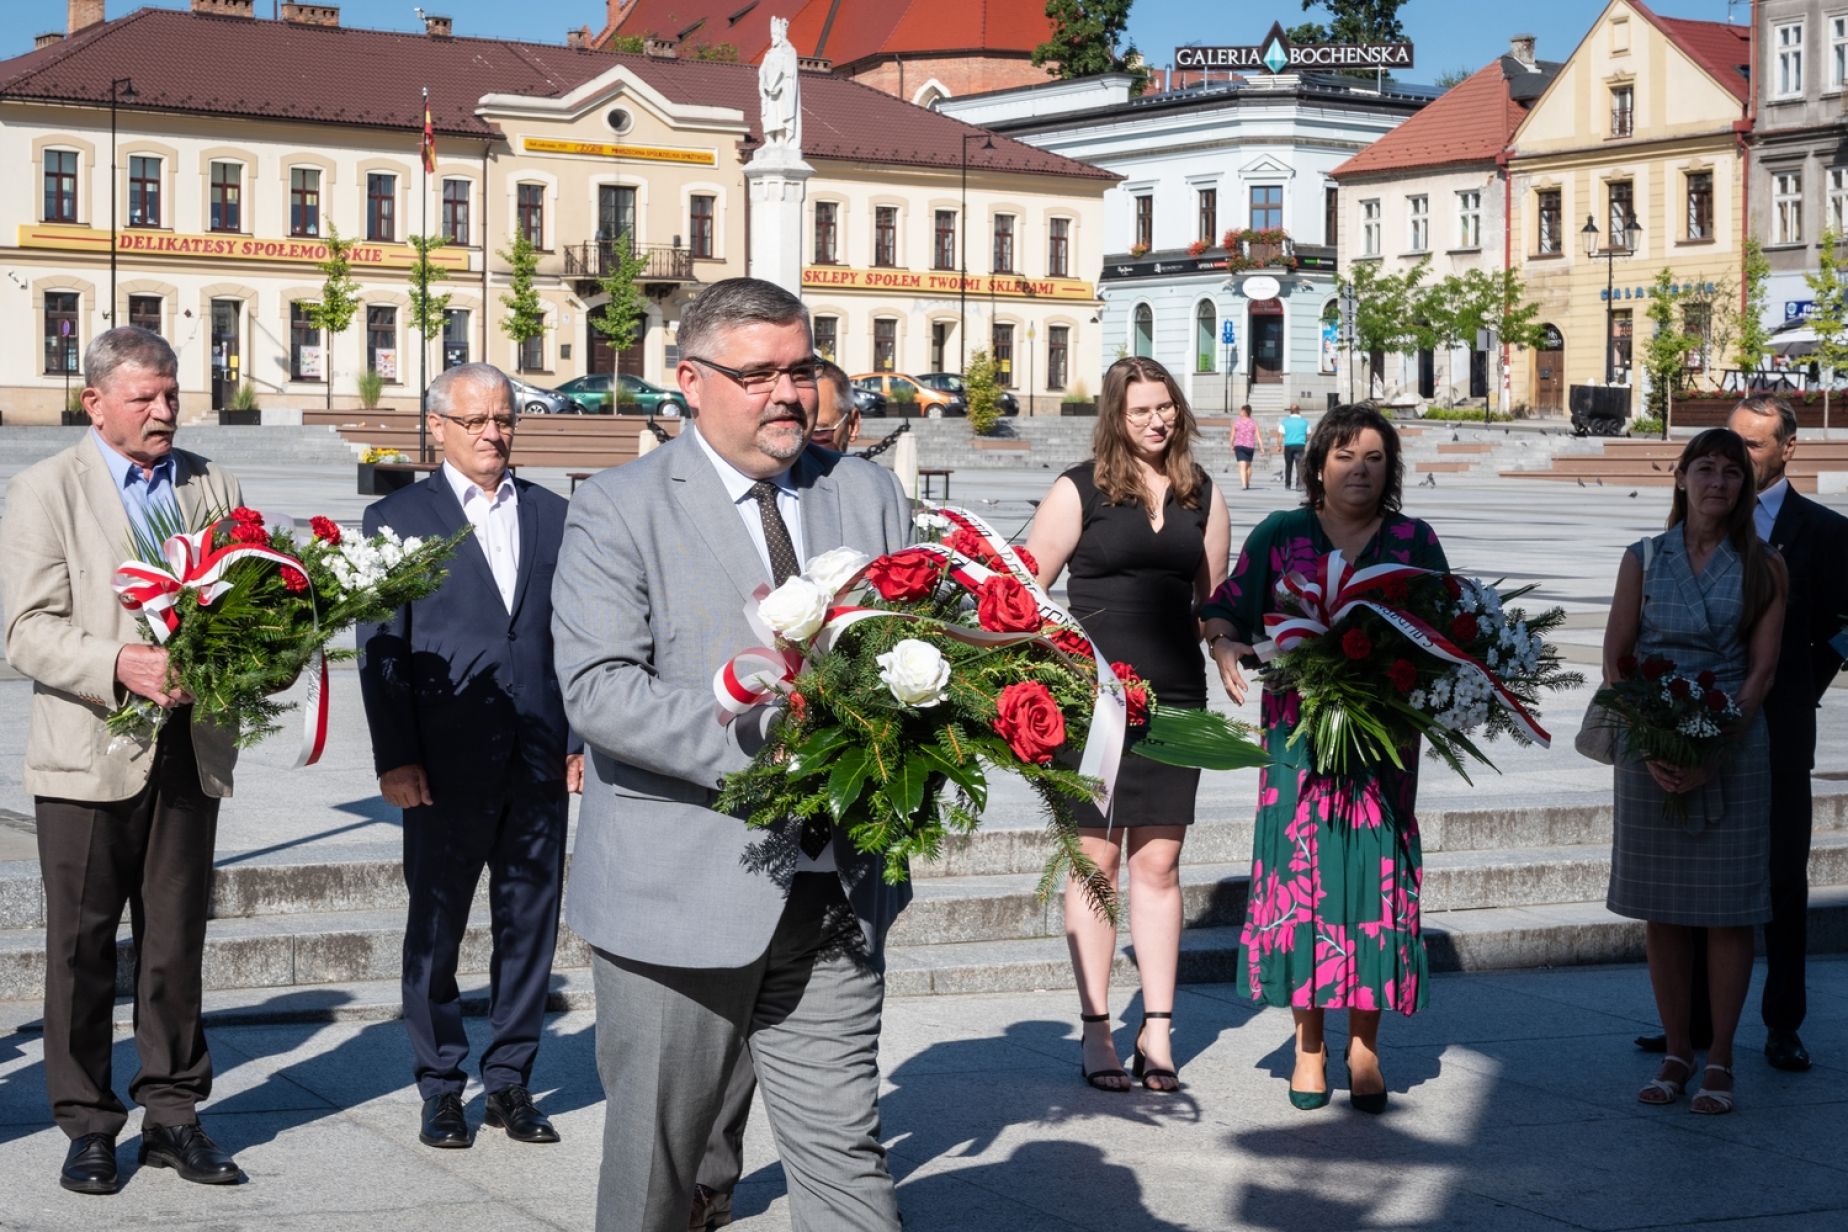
(1276, 54)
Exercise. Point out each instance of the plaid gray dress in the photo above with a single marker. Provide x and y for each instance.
(1711, 869)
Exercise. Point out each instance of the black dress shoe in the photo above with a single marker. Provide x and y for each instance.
(1785, 1050)
(189, 1151)
(511, 1108)
(711, 1210)
(90, 1165)
(443, 1122)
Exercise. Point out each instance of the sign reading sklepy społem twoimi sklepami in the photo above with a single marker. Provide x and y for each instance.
(1276, 54)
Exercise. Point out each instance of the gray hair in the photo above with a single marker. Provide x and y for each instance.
(131, 345)
(733, 302)
(836, 377)
(1767, 405)
(439, 397)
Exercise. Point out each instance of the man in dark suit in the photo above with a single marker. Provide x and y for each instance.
(469, 739)
(1813, 540)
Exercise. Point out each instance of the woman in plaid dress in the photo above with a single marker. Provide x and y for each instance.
(1708, 596)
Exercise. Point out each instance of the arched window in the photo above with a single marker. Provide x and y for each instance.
(1205, 318)
(1145, 332)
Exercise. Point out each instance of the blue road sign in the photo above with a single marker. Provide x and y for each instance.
(1228, 332)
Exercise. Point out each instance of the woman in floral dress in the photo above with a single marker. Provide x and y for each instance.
(1332, 921)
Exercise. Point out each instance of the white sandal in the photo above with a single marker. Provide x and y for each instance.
(1723, 1098)
(1670, 1089)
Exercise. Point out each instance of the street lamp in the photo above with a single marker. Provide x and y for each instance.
(119, 88)
(1589, 232)
(962, 250)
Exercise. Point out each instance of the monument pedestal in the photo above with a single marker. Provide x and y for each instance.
(778, 181)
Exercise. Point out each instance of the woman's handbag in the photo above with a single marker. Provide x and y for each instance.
(1597, 734)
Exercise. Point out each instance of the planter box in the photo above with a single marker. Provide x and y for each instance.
(246, 419)
(74, 419)
(1078, 408)
(384, 478)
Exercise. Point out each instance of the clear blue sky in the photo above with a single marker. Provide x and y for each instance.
(1449, 34)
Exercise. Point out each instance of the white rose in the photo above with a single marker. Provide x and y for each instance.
(831, 570)
(412, 544)
(795, 609)
(916, 672)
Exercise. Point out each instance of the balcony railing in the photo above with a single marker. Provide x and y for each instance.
(660, 262)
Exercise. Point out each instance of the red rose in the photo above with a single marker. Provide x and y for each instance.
(325, 529)
(1452, 587)
(969, 543)
(1626, 666)
(1403, 675)
(1029, 720)
(1136, 698)
(904, 576)
(248, 532)
(294, 579)
(1126, 673)
(1073, 644)
(1655, 669)
(798, 707)
(1717, 701)
(1003, 605)
(1464, 628)
(1396, 591)
(1679, 687)
(244, 515)
(1356, 645)
(1026, 558)
(1706, 680)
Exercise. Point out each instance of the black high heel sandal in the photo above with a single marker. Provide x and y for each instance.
(1374, 1102)
(1092, 1076)
(1146, 1072)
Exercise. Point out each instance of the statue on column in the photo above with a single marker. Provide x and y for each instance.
(779, 92)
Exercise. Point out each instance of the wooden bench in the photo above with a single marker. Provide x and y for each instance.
(577, 477)
(928, 473)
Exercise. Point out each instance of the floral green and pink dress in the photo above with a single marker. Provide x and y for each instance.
(1332, 921)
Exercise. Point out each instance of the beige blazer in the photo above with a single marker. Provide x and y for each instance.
(64, 533)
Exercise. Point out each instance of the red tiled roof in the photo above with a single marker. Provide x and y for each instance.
(235, 66)
(845, 31)
(1470, 122)
(1721, 48)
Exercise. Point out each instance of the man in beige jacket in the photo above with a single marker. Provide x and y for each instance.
(116, 826)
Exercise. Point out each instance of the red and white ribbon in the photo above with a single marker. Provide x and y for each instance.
(195, 567)
(1333, 592)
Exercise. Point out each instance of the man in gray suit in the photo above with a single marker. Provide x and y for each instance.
(711, 938)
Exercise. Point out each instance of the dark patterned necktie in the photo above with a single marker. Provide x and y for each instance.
(783, 564)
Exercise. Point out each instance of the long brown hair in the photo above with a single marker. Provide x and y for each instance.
(1116, 474)
(1760, 585)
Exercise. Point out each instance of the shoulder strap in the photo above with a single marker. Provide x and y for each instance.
(1648, 554)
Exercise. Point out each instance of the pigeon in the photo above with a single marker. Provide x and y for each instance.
(1655, 466)
(1455, 437)
(1632, 493)
(1430, 481)
(1600, 483)
(1581, 483)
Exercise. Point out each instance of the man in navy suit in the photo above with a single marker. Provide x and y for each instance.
(469, 738)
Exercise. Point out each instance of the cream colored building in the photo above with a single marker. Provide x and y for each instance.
(227, 183)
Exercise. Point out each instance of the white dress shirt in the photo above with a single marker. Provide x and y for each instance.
(1770, 502)
(738, 486)
(496, 520)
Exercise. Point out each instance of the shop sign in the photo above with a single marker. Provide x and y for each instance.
(942, 282)
(1647, 291)
(295, 251)
(1799, 309)
(1276, 54)
(625, 153)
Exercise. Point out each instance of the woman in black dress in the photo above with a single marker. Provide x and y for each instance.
(1146, 536)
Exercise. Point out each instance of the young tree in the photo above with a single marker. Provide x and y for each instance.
(1499, 304)
(982, 389)
(525, 310)
(338, 303)
(1442, 325)
(623, 311)
(427, 306)
(1385, 310)
(1830, 323)
(1085, 38)
(1754, 340)
(1665, 356)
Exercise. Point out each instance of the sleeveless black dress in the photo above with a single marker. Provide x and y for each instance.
(1132, 588)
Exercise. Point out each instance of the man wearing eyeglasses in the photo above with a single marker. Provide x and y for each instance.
(837, 415)
(469, 739)
(709, 938)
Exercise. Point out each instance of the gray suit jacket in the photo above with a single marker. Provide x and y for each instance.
(653, 576)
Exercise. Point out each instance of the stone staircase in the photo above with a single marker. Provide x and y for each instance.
(320, 936)
(269, 445)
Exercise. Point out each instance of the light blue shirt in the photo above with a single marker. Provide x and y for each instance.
(1770, 503)
(1295, 430)
(141, 494)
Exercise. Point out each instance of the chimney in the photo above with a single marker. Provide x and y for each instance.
(47, 39)
(578, 39)
(84, 14)
(660, 49)
(814, 64)
(1521, 47)
(222, 8)
(310, 14)
(439, 27)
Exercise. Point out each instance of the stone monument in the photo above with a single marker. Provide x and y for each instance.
(776, 174)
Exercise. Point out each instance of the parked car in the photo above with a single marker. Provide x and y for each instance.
(532, 400)
(596, 392)
(952, 383)
(896, 388)
(870, 403)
